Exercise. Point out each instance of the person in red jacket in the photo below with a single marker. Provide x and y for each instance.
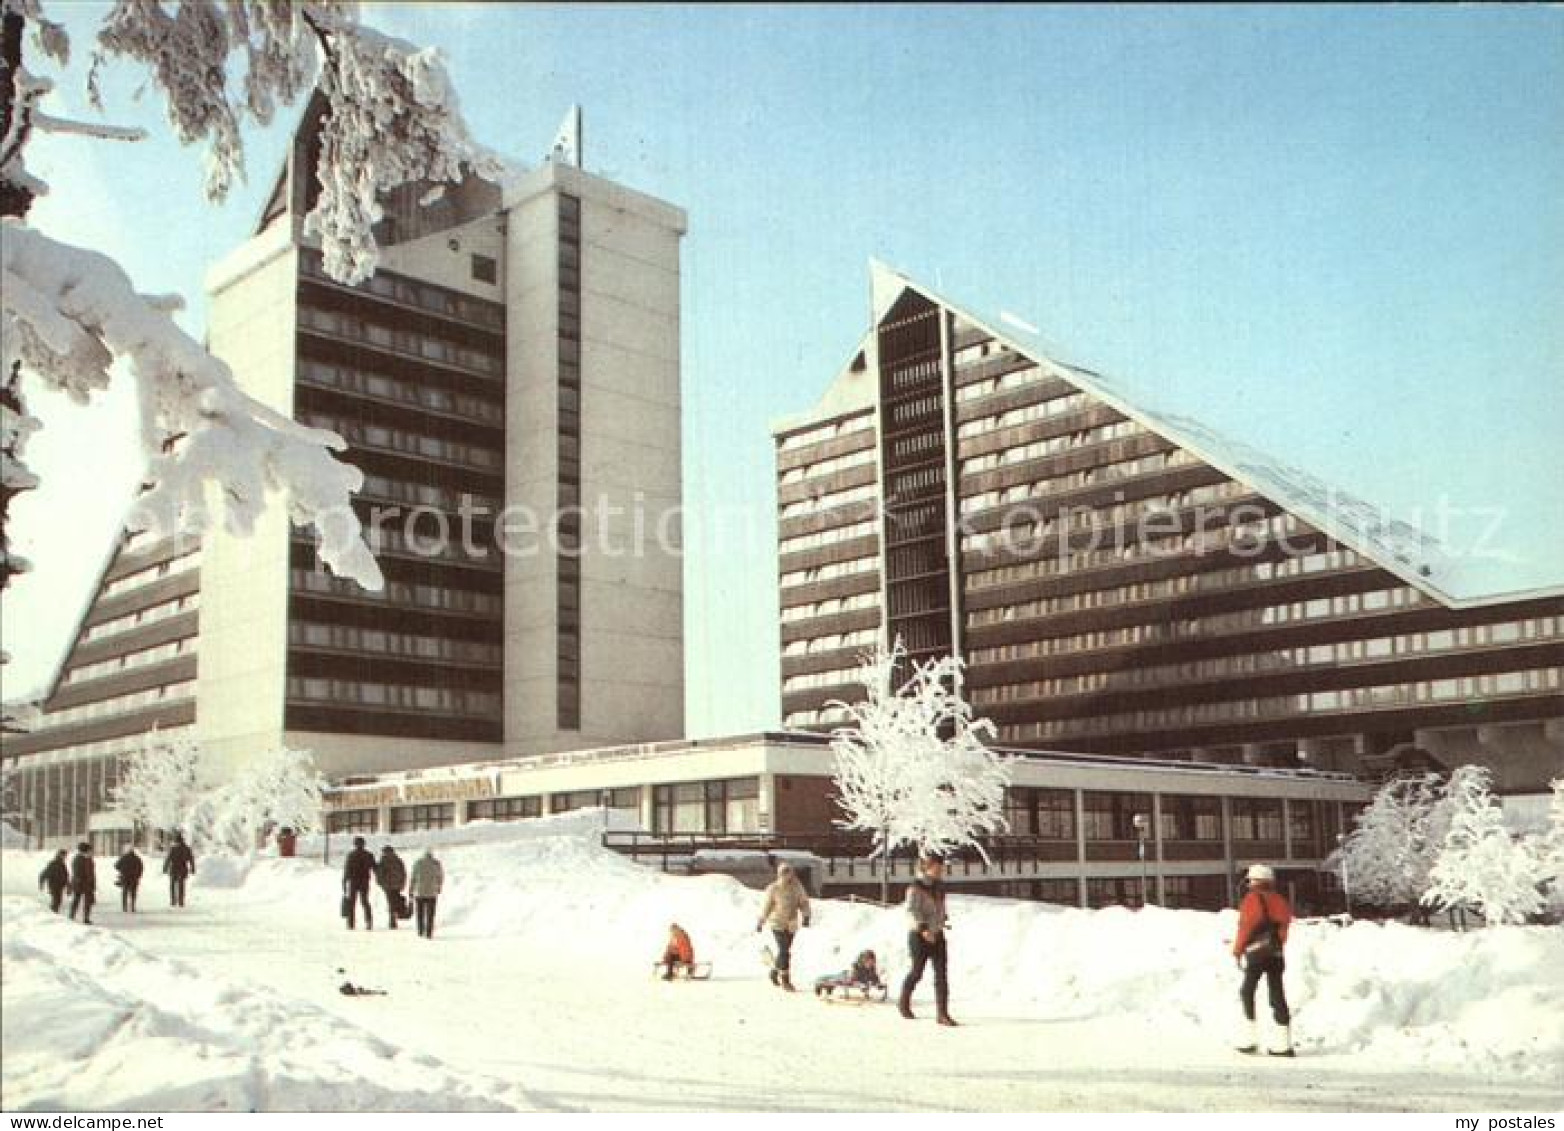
(679, 954)
(1263, 919)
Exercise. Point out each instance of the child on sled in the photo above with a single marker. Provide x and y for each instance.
(679, 955)
(863, 977)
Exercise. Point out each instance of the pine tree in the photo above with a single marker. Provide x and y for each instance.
(1481, 864)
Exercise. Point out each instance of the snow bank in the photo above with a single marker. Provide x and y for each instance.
(539, 920)
(93, 1022)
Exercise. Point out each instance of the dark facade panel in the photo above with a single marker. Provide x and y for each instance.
(176, 670)
(178, 713)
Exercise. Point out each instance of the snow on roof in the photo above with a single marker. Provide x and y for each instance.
(1411, 554)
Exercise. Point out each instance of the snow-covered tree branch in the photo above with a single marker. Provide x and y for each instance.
(70, 318)
(913, 767)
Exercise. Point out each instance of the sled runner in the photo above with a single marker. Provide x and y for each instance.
(849, 993)
(699, 972)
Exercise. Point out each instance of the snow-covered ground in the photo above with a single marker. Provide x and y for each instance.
(536, 994)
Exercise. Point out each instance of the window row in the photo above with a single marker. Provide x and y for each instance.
(191, 560)
(1256, 663)
(830, 607)
(829, 466)
(818, 503)
(130, 661)
(1116, 471)
(991, 386)
(425, 296)
(143, 617)
(830, 572)
(121, 704)
(1025, 414)
(427, 495)
(1018, 537)
(359, 693)
(409, 343)
(400, 593)
(364, 434)
(726, 806)
(1535, 681)
(827, 537)
(833, 642)
(1215, 581)
(421, 395)
(351, 638)
(832, 678)
(114, 747)
(820, 435)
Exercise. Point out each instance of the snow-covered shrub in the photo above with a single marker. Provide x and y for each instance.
(1481, 864)
(279, 789)
(912, 768)
(1388, 856)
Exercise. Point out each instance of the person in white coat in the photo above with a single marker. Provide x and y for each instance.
(427, 880)
(785, 909)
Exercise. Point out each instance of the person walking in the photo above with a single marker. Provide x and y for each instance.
(130, 867)
(926, 938)
(427, 880)
(786, 908)
(179, 866)
(56, 876)
(391, 875)
(357, 870)
(84, 882)
(1264, 917)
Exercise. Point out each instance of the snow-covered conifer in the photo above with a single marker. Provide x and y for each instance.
(1481, 864)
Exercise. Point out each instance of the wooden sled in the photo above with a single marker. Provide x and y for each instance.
(699, 972)
(850, 993)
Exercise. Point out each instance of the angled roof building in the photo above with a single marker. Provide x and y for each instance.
(1123, 579)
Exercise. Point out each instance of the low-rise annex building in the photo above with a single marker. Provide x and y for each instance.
(1073, 833)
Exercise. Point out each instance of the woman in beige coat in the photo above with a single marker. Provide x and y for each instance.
(785, 910)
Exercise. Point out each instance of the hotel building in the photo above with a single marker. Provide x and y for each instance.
(1124, 580)
(509, 379)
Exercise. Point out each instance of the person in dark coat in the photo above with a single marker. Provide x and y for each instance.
(56, 876)
(357, 870)
(926, 937)
(84, 882)
(391, 875)
(179, 865)
(129, 866)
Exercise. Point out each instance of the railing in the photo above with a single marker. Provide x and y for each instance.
(847, 857)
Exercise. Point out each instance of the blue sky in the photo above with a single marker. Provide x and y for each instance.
(1336, 232)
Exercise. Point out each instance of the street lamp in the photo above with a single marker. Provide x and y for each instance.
(1142, 826)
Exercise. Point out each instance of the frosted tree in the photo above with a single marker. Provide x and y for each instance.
(1481, 865)
(912, 768)
(158, 781)
(1396, 841)
(279, 789)
(70, 317)
(1551, 851)
(16, 425)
